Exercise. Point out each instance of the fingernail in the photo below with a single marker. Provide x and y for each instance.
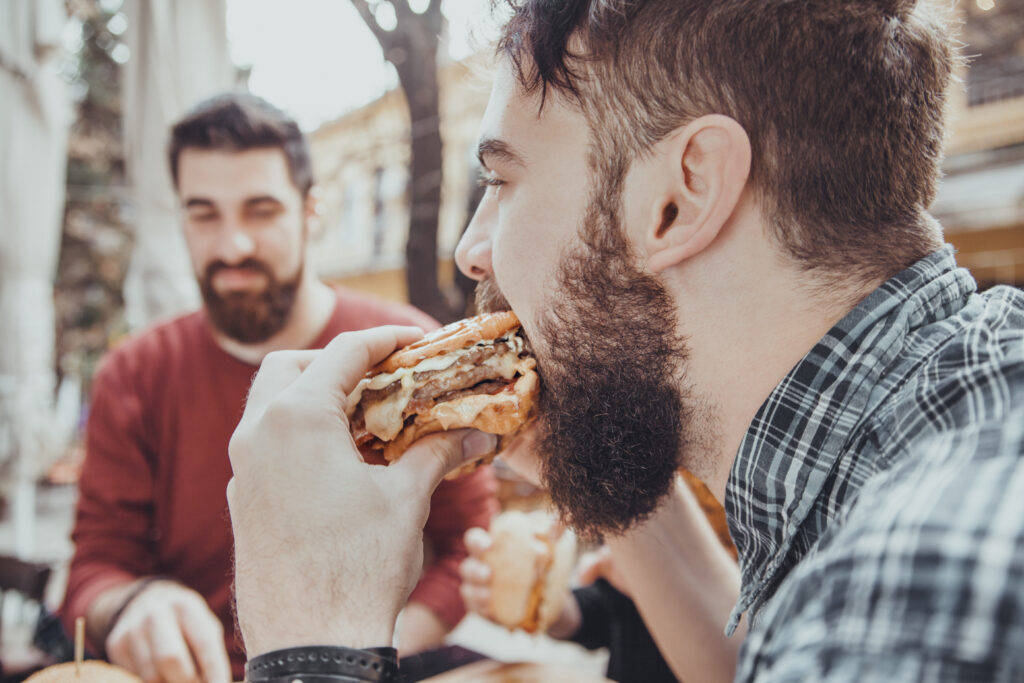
(478, 539)
(477, 444)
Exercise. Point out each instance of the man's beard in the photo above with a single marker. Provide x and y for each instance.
(250, 317)
(613, 417)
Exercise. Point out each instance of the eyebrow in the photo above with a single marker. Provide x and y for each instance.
(263, 199)
(498, 149)
(203, 203)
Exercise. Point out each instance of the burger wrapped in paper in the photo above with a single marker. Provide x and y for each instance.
(476, 373)
(86, 672)
(531, 561)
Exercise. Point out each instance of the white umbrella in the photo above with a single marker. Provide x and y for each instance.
(179, 56)
(34, 120)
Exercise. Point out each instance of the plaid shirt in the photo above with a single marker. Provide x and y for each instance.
(877, 501)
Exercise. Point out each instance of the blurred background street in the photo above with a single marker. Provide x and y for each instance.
(91, 243)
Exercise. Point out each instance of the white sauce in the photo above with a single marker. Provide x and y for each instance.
(384, 419)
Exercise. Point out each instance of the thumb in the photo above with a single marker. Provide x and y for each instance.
(429, 459)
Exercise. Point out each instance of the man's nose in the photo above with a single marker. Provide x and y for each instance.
(473, 254)
(235, 244)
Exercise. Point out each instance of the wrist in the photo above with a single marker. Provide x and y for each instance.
(568, 622)
(109, 607)
(281, 634)
(290, 615)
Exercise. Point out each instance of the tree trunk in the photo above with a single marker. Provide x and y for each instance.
(418, 76)
(412, 48)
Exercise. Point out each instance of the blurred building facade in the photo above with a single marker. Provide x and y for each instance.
(360, 161)
(981, 198)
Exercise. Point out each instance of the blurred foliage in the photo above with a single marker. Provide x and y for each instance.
(97, 236)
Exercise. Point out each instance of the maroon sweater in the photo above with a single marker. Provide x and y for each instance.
(152, 493)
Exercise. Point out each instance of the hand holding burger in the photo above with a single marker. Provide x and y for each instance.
(307, 511)
(476, 373)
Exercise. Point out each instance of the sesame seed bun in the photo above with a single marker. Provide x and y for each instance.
(91, 671)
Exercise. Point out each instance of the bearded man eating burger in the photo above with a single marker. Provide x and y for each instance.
(711, 220)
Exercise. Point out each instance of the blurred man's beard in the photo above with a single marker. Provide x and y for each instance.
(613, 418)
(250, 317)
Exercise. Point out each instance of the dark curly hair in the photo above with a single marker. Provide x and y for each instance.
(843, 102)
(239, 121)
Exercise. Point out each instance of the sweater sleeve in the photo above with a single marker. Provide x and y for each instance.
(112, 533)
(455, 507)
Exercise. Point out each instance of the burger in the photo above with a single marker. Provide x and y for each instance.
(531, 561)
(476, 373)
(87, 672)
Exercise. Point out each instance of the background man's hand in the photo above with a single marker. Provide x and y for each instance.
(476, 587)
(327, 548)
(599, 564)
(476, 574)
(167, 634)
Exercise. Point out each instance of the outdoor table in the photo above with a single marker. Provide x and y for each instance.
(457, 664)
(490, 671)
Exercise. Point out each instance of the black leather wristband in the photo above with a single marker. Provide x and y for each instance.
(324, 664)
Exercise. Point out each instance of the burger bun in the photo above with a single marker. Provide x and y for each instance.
(91, 671)
(531, 564)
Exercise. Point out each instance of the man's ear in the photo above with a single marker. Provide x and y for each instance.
(704, 168)
(312, 213)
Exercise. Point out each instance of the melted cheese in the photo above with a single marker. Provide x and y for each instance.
(442, 362)
(464, 410)
(386, 418)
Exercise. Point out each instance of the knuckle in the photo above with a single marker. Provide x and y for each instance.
(466, 568)
(238, 444)
(471, 598)
(283, 412)
(169, 664)
(275, 360)
(351, 344)
(477, 540)
(117, 647)
(186, 604)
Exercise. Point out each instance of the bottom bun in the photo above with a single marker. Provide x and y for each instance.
(530, 570)
(91, 672)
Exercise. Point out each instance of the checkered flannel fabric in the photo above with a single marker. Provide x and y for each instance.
(877, 503)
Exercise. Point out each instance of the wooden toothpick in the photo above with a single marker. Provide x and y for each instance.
(79, 644)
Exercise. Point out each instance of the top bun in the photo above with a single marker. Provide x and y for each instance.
(457, 335)
(91, 672)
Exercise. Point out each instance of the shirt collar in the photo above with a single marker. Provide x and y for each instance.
(798, 435)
